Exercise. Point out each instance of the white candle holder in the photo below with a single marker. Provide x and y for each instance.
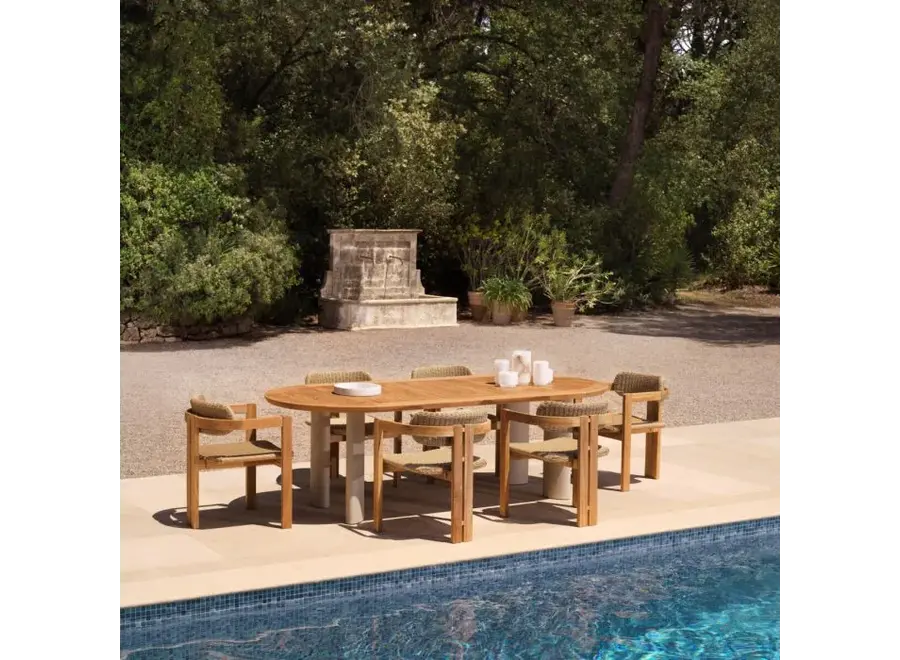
(521, 363)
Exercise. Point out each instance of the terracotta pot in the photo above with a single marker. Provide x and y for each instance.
(563, 313)
(476, 304)
(519, 315)
(501, 314)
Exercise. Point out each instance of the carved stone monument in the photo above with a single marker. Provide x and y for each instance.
(373, 282)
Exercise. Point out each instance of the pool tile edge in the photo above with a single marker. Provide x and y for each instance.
(150, 614)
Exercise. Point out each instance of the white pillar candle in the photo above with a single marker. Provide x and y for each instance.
(521, 363)
(500, 365)
(543, 376)
(536, 368)
(508, 378)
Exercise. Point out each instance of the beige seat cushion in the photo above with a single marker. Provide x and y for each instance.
(556, 450)
(236, 449)
(430, 463)
(211, 410)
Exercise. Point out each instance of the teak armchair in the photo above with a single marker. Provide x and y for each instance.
(454, 463)
(638, 388)
(579, 453)
(205, 417)
(435, 416)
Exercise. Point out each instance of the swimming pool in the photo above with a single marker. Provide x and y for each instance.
(713, 594)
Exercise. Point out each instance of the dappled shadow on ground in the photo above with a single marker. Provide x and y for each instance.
(703, 324)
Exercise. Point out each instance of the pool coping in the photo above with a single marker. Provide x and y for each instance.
(220, 604)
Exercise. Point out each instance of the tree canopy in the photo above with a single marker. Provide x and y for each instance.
(646, 131)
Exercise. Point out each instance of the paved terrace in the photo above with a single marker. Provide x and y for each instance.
(711, 474)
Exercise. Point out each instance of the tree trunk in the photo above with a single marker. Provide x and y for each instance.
(654, 27)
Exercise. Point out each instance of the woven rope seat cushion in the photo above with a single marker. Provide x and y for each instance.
(212, 410)
(441, 371)
(429, 463)
(331, 377)
(556, 450)
(567, 409)
(628, 382)
(446, 418)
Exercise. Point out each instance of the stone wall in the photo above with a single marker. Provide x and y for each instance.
(133, 330)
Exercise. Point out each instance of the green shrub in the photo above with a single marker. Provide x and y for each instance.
(194, 249)
(746, 243)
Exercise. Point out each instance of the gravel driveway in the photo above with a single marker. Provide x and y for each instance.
(721, 365)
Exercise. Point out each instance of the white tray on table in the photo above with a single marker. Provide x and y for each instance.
(357, 389)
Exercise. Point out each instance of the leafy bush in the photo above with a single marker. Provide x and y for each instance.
(509, 247)
(194, 249)
(746, 243)
(579, 280)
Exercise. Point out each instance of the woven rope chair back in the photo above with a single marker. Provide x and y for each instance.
(627, 382)
(440, 371)
(331, 377)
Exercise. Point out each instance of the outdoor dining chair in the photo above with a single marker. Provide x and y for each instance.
(338, 428)
(637, 388)
(453, 463)
(432, 416)
(578, 449)
(216, 419)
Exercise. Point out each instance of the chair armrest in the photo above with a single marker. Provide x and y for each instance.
(638, 397)
(249, 424)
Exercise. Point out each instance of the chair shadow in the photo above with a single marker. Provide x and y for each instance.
(414, 494)
(423, 507)
(607, 480)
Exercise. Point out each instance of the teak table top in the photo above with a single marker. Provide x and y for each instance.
(431, 393)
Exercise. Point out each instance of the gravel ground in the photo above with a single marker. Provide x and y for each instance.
(720, 364)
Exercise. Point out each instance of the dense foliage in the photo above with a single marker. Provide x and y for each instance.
(647, 132)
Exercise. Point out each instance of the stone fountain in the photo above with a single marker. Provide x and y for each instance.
(373, 282)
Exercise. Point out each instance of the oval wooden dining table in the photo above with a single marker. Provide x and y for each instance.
(417, 394)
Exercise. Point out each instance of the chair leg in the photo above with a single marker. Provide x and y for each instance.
(251, 486)
(456, 505)
(193, 495)
(193, 476)
(504, 483)
(335, 459)
(581, 508)
(287, 472)
(625, 483)
(653, 455)
(378, 493)
(575, 487)
(398, 447)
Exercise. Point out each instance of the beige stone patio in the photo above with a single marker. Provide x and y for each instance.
(711, 474)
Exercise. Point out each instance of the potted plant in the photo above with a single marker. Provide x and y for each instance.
(573, 284)
(478, 250)
(505, 295)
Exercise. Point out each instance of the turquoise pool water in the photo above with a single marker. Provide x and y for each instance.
(715, 599)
